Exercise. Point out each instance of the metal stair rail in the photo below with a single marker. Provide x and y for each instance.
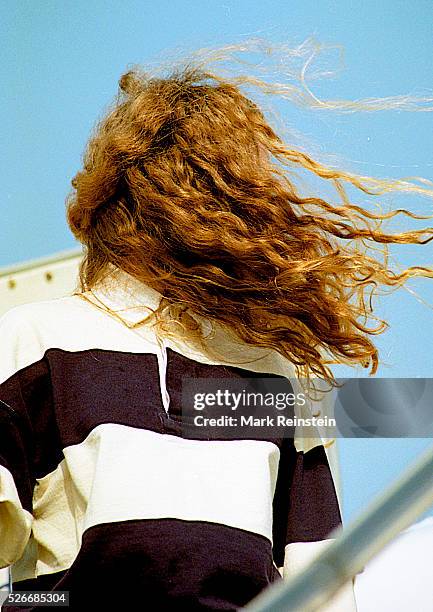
(397, 508)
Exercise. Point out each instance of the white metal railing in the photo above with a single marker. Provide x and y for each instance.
(39, 262)
(39, 279)
(394, 510)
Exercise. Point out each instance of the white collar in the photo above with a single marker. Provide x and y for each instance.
(129, 297)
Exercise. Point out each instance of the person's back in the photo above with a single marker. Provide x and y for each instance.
(113, 502)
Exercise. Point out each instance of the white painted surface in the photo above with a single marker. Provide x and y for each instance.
(400, 577)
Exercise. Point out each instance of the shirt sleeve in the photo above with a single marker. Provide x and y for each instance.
(305, 512)
(16, 478)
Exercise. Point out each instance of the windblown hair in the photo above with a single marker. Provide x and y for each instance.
(185, 185)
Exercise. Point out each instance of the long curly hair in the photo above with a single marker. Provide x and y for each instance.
(186, 186)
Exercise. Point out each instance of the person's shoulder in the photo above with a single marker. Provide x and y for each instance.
(28, 330)
(39, 310)
(39, 321)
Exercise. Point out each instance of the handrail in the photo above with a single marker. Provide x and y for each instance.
(407, 498)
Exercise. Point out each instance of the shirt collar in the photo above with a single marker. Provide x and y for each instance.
(129, 297)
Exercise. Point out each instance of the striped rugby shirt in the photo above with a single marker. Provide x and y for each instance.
(101, 492)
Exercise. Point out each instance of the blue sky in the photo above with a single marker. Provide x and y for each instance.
(61, 64)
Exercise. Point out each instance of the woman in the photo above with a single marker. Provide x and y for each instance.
(202, 261)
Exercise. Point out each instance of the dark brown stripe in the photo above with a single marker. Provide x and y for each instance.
(17, 439)
(99, 386)
(45, 582)
(180, 367)
(168, 565)
(305, 503)
(65, 395)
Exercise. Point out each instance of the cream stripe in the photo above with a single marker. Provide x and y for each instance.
(299, 554)
(58, 514)
(15, 521)
(126, 473)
